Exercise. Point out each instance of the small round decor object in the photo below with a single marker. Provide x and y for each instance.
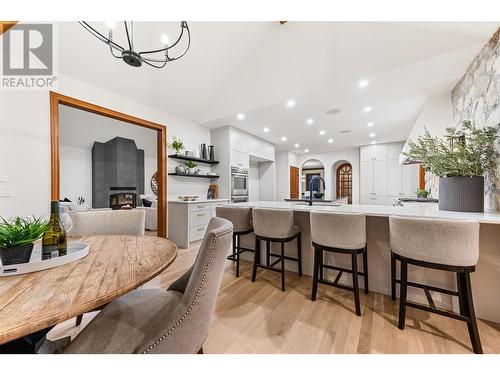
(154, 183)
(132, 58)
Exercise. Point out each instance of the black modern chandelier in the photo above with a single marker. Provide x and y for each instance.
(134, 58)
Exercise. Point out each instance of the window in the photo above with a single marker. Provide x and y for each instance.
(344, 182)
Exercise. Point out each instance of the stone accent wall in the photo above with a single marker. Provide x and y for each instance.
(476, 97)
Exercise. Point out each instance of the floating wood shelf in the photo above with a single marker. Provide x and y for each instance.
(199, 160)
(193, 175)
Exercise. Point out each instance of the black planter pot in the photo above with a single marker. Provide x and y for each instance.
(463, 194)
(15, 255)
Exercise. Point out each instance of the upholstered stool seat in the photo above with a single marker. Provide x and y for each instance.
(241, 217)
(342, 233)
(273, 225)
(446, 245)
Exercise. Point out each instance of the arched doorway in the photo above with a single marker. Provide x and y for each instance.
(311, 168)
(344, 182)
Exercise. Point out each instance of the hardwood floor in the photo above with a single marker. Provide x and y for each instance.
(260, 318)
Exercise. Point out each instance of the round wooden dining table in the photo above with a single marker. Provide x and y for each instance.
(115, 265)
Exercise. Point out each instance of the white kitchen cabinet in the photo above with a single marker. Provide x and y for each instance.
(393, 178)
(251, 145)
(188, 221)
(239, 141)
(409, 180)
(380, 178)
(240, 159)
(394, 150)
(366, 178)
(373, 152)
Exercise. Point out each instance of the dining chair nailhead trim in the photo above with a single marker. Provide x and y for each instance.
(198, 291)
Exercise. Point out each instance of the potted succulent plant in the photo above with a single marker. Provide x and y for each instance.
(422, 193)
(176, 144)
(190, 165)
(461, 159)
(17, 237)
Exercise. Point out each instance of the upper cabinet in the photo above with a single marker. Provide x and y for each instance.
(240, 159)
(373, 152)
(253, 146)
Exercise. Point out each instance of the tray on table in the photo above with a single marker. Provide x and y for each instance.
(76, 251)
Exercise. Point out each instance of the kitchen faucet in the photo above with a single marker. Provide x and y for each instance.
(311, 183)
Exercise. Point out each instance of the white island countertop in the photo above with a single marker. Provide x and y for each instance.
(424, 211)
(198, 200)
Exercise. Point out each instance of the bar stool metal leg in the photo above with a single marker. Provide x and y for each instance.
(365, 269)
(237, 240)
(402, 294)
(468, 305)
(393, 277)
(355, 286)
(315, 274)
(256, 259)
(299, 253)
(283, 266)
(268, 253)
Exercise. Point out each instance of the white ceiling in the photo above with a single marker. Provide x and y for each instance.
(255, 67)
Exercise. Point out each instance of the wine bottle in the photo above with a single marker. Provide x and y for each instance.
(54, 241)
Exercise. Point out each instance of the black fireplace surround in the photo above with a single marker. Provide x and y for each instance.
(117, 173)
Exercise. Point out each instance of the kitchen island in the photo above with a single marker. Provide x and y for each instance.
(484, 281)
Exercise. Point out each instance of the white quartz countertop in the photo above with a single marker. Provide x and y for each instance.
(197, 201)
(423, 211)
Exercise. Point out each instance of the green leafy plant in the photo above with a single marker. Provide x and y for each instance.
(464, 151)
(176, 144)
(21, 231)
(422, 193)
(190, 164)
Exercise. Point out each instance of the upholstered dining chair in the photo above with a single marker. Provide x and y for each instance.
(94, 222)
(176, 320)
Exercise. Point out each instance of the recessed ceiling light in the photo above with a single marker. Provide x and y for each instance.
(363, 83)
(290, 103)
(283, 139)
(371, 135)
(367, 109)
(240, 116)
(321, 132)
(310, 121)
(373, 142)
(306, 150)
(370, 124)
(266, 130)
(296, 145)
(330, 140)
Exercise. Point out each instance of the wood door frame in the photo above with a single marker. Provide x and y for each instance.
(6, 26)
(57, 99)
(337, 181)
(292, 168)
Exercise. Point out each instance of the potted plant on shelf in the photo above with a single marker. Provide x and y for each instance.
(177, 145)
(422, 193)
(190, 165)
(461, 159)
(17, 237)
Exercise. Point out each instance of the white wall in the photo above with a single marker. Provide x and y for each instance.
(329, 159)
(25, 141)
(283, 161)
(253, 182)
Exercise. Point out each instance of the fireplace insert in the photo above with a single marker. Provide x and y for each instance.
(118, 201)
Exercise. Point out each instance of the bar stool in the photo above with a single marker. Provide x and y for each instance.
(273, 225)
(241, 217)
(445, 245)
(342, 233)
